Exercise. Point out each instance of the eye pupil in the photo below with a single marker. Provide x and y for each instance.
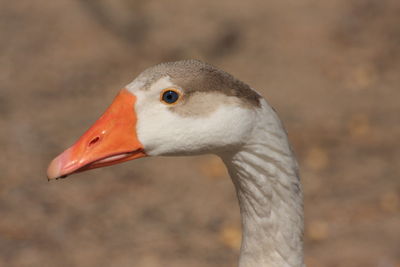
(170, 96)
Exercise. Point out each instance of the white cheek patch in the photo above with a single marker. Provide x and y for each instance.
(163, 132)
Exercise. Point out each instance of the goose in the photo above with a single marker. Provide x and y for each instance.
(187, 108)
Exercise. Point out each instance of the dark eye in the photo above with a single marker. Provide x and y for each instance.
(170, 96)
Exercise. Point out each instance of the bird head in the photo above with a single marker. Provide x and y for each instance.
(177, 108)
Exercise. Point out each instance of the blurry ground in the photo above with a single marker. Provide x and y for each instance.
(331, 69)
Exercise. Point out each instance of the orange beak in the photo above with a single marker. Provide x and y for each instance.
(111, 140)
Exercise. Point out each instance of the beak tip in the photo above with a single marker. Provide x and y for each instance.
(54, 170)
(57, 166)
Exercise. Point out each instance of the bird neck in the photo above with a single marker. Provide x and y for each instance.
(266, 179)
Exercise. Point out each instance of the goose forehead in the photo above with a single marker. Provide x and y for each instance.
(141, 84)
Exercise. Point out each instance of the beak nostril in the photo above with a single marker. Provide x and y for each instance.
(94, 141)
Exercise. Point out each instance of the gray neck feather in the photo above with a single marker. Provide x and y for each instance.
(266, 179)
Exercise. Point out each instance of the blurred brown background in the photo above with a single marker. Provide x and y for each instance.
(330, 68)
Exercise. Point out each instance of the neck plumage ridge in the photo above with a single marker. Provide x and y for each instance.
(265, 175)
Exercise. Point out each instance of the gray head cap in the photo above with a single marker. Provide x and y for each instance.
(196, 76)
